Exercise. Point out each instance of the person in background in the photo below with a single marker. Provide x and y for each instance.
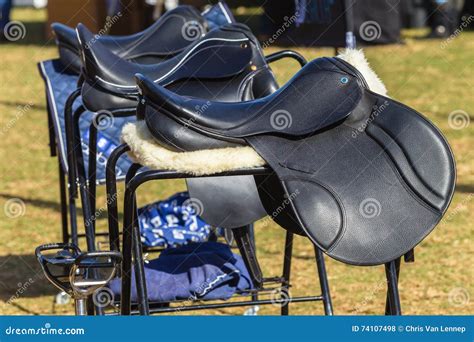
(5, 8)
(444, 17)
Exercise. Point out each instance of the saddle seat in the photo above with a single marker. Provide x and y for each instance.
(277, 113)
(225, 60)
(365, 177)
(153, 45)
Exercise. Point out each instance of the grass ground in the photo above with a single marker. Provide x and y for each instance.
(434, 77)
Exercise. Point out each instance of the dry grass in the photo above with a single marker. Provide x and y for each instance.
(433, 80)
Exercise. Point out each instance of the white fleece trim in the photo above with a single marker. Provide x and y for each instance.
(145, 150)
(357, 59)
(148, 152)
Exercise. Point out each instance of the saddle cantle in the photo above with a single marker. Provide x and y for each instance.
(162, 40)
(227, 64)
(365, 177)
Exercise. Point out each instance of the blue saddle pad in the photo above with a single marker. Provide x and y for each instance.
(198, 271)
(60, 84)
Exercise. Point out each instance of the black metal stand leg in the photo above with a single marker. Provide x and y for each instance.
(91, 175)
(126, 273)
(111, 187)
(323, 281)
(82, 182)
(139, 267)
(285, 308)
(132, 247)
(72, 189)
(392, 272)
(73, 219)
(63, 199)
(52, 135)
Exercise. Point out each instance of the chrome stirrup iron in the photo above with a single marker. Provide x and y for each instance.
(80, 275)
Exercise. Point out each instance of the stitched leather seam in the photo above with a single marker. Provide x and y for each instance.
(403, 182)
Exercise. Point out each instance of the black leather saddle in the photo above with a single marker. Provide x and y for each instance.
(365, 177)
(167, 37)
(227, 64)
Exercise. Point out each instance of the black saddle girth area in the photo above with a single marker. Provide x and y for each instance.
(363, 176)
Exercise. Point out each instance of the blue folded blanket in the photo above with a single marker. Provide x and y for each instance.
(172, 222)
(204, 271)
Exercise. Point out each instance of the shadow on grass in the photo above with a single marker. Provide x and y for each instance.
(18, 104)
(39, 203)
(22, 277)
(465, 188)
(55, 206)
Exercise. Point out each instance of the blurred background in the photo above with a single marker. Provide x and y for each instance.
(316, 22)
(423, 50)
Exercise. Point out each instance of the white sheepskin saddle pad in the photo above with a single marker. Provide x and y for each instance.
(144, 149)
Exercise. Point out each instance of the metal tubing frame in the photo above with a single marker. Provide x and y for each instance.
(112, 195)
(285, 308)
(131, 241)
(392, 272)
(323, 281)
(71, 172)
(196, 307)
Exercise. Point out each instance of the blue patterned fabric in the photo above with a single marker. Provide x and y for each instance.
(59, 85)
(172, 222)
(198, 271)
